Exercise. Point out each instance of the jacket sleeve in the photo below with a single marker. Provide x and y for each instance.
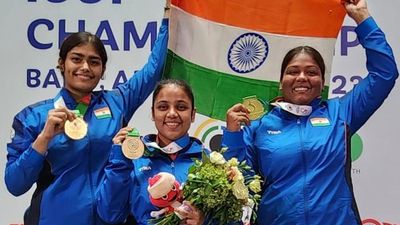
(367, 96)
(141, 84)
(113, 196)
(240, 145)
(23, 162)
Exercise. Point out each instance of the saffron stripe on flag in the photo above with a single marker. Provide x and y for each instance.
(314, 18)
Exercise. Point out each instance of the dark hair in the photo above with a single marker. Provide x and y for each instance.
(179, 83)
(303, 49)
(79, 38)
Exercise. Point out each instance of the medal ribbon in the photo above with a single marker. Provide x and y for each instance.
(134, 133)
(298, 110)
(80, 109)
(82, 106)
(172, 147)
(169, 149)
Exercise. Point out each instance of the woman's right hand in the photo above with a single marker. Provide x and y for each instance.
(167, 8)
(236, 116)
(56, 119)
(54, 125)
(191, 215)
(121, 135)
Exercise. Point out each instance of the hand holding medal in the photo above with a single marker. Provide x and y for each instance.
(132, 146)
(77, 128)
(54, 125)
(255, 106)
(242, 113)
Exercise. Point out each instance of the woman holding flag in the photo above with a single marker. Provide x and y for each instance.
(63, 144)
(301, 147)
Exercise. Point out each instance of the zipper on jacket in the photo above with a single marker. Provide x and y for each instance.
(173, 166)
(305, 195)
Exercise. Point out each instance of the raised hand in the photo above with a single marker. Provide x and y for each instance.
(236, 116)
(167, 8)
(357, 10)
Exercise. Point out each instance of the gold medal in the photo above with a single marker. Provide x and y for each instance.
(77, 129)
(132, 147)
(255, 106)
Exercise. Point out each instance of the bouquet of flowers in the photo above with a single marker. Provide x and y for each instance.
(221, 189)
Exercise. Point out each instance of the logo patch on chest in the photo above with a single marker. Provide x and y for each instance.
(274, 132)
(144, 168)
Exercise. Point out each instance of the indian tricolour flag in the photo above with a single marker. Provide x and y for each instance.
(228, 50)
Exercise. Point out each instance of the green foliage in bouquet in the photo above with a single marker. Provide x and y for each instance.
(221, 188)
(168, 219)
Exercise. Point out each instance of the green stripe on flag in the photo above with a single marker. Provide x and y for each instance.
(215, 92)
(103, 116)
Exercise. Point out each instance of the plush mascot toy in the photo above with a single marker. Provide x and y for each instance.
(165, 193)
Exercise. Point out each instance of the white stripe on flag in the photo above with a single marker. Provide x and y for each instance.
(207, 43)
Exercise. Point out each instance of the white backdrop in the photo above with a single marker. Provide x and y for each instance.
(30, 33)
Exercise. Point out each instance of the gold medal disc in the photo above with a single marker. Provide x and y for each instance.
(132, 147)
(77, 129)
(255, 107)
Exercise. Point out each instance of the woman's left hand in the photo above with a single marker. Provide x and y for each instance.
(357, 10)
(121, 135)
(192, 215)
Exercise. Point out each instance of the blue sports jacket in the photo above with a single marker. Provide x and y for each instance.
(124, 190)
(67, 178)
(305, 161)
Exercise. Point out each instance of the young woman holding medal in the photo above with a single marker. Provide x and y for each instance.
(63, 144)
(301, 147)
(171, 150)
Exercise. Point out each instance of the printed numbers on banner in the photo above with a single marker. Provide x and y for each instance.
(342, 81)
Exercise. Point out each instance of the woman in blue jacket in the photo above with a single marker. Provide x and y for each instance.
(68, 169)
(301, 147)
(172, 150)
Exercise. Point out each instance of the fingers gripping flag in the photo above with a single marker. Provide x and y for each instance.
(227, 50)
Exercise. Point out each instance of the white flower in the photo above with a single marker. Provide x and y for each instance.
(255, 185)
(217, 158)
(240, 190)
(236, 175)
(250, 203)
(233, 162)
